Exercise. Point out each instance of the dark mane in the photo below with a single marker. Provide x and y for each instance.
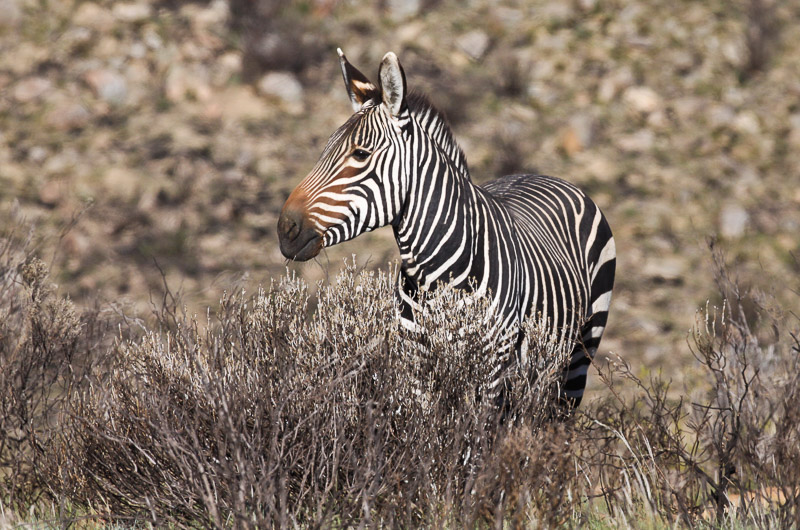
(435, 122)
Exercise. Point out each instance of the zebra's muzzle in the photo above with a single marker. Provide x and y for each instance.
(297, 242)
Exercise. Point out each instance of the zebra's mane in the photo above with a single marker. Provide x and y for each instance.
(435, 123)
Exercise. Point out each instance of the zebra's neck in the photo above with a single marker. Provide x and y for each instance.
(434, 125)
(437, 224)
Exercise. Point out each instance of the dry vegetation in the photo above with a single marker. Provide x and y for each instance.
(146, 148)
(266, 413)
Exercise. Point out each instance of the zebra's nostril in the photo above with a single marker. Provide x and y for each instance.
(294, 230)
(288, 226)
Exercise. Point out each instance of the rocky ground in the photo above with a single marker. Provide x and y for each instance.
(150, 136)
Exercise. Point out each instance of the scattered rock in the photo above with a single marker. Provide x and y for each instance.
(733, 221)
(600, 168)
(176, 83)
(237, 103)
(77, 38)
(612, 83)
(139, 79)
(131, 12)
(650, 85)
(411, 31)
(31, 89)
(76, 243)
(542, 92)
(794, 132)
(185, 138)
(686, 109)
(121, 182)
(720, 115)
(51, 192)
(402, 9)
(215, 14)
(68, 116)
(653, 353)
(183, 82)
(642, 99)
(267, 167)
(152, 39)
(665, 269)
(227, 150)
(61, 162)
(577, 135)
(474, 43)
(26, 54)
(228, 65)
(283, 86)
(109, 48)
(556, 13)
(794, 121)
(108, 85)
(747, 122)
(93, 16)
(658, 120)
(641, 140)
(570, 142)
(37, 154)
(509, 17)
(137, 50)
(10, 14)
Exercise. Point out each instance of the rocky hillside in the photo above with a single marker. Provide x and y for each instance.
(156, 137)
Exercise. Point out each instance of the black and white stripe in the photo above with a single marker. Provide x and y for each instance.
(537, 245)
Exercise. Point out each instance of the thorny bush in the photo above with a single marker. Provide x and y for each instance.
(725, 454)
(267, 415)
(46, 349)
(285, 409)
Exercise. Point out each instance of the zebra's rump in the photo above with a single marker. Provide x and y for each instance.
(560, 230)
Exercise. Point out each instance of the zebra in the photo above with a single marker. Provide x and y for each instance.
(534, 244)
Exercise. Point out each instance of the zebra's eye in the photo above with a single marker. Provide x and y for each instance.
(360, 154)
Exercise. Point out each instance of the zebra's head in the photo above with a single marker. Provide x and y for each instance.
(358, 183)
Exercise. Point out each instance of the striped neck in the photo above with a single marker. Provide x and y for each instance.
(436, 222)
(435, 126)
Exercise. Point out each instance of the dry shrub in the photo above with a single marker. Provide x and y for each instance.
(283, 409)
(46, 346)
(266, 415)
(727, 453)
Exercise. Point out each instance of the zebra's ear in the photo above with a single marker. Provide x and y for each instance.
(359, 88)
(393, 84)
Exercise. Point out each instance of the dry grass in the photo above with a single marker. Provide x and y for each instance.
(285, 410)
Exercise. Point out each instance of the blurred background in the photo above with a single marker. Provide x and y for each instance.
(152, 143)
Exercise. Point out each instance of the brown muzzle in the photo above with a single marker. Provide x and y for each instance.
(298, 238)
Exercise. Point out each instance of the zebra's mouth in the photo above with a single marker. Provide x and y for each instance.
(299, 244)
(305, 245)
(308, 250)
(299, 239)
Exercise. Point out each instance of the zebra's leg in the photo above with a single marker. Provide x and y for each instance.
(602, 281)
(575, 378)
(511, 356)
(584, 351)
